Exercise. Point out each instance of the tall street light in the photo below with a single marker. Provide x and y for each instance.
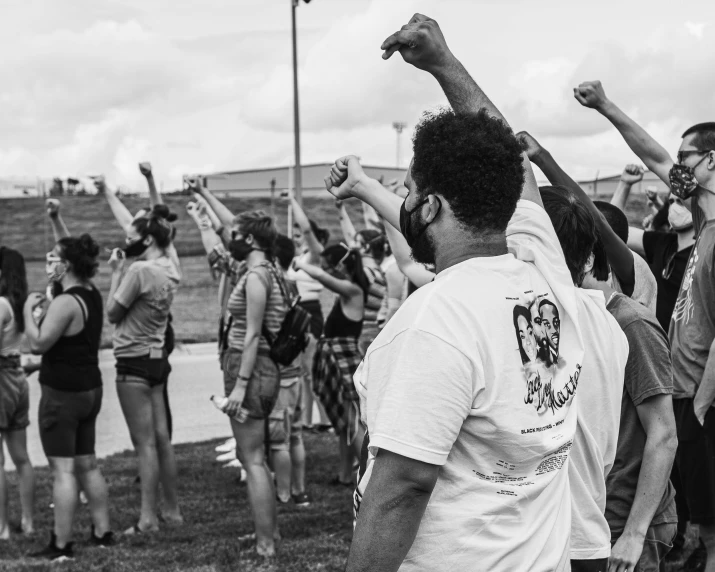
(298, 179)
(398, 126)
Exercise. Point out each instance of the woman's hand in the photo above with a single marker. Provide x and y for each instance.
(33, 301)
(116, 260)
(235, 399)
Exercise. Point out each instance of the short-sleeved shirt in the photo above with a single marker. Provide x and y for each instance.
(645, 287)
(648, 374)
(275, 309)
(464, 377)
(147, 292)
(291, 373)
(661, 252)
(692, 328)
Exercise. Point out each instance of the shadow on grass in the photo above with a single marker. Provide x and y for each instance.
(216, 510)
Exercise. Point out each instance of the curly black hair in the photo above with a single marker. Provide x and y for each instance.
(474, 162)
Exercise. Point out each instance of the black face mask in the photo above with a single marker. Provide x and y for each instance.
(411, 235)
(239, 249)
(135, 248)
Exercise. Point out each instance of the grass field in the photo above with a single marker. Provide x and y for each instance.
(315, 538)
(217, 514)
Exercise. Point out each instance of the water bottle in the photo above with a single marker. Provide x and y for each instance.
(220, 404)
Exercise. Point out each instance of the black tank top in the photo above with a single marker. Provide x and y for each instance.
(72, 364)
(338, 325)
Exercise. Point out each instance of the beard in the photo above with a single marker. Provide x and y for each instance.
(423, 250)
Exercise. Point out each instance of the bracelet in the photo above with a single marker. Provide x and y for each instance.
(219, 230)
(54, 215)
(243, 377)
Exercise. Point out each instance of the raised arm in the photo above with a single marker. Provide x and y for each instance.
(631, 175)
(224, 215)
(199, 213)
(346, 225)
(301, 219)
(415, 272)
(656, 158)
(422, 44)
(59, 228)
(120, 212)
(344, 288)
(154, 196)
(619, 255)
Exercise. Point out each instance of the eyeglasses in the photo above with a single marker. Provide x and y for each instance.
(682, 155)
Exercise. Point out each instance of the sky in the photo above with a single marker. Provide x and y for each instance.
(196, 86)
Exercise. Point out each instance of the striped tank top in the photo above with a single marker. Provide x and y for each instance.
(275, 311)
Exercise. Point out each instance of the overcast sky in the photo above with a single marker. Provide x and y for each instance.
(92, 86)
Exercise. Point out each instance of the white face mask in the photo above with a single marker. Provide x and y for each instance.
(679, 217)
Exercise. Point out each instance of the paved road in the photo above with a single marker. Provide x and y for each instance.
(195, 377)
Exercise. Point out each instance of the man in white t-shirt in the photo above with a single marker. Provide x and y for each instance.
(470, 422)
(601, 382)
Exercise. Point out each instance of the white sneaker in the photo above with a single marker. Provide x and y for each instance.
(235, 464)
(229, 445)
(226, 457)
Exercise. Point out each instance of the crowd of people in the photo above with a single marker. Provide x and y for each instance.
(517, 379)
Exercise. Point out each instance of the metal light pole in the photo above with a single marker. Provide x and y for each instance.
(296, 112)
(398, 126)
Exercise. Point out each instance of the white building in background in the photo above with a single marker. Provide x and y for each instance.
(18, 187)
(261, 182)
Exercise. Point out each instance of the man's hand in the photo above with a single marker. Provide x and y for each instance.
(53, 207)
(345, 177)
(591, 94)
(116, 260)
(145, 169)
(420, 43)
(625, 553)
(652, 195)
(101, 184)
(632, 174)
(531, 146)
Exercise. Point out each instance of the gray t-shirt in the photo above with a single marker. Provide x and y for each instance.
(645, 288)
(692, 327)
(146, 291)
(648, 373)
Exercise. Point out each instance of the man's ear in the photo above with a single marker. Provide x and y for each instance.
(588, 269)
(434, 208)
(148, 240)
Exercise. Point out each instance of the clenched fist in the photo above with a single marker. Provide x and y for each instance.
(53, 207)
(145, 168)
(591, 94)
(345, 175)
(632, 174)
(531, 146)
(420, 43)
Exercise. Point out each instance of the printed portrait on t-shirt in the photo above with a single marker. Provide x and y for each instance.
(525, 334)
(551, 324)
(684, 306)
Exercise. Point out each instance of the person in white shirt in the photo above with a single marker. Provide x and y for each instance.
(600, 385)
(468, 445)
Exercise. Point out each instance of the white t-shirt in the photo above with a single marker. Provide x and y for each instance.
(459, 379)
(599, 412)
(645, 288)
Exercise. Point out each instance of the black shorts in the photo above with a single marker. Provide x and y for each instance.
(696, 461)
(67, 421)
(315, 310)
(153, 371)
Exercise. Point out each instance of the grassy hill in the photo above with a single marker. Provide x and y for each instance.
(24, 225)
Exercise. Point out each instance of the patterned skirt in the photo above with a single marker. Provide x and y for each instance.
(334, 365)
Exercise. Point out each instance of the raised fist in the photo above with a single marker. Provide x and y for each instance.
(591, 94)
(345, 175)
(652, 194)
(100, 183)
(145, 168)
(53, 207)
(632, 174)
(420, 43)
(288, 195)
(531, 145)
(194, 185)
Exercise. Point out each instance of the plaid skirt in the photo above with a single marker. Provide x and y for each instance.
(334, 364)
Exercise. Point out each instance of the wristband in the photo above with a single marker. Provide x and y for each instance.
(220, 230)
(54, 214)
(243, 377)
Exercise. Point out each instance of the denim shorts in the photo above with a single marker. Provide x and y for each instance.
(261, 390)
(14, 396)
(151, 371)
(286, 419)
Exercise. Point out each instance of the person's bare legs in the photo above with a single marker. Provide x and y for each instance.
(297, 458)
(261, 494)
(17, 447)
(95, 487)
(4, 497)
(65, 495)
(283, 469)
(135, 398)
(707, 535)
(167, 459)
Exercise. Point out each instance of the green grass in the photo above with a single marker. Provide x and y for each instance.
(217, 514)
